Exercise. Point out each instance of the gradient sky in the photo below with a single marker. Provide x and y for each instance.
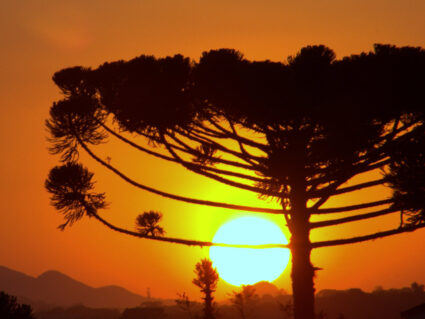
(41, 37)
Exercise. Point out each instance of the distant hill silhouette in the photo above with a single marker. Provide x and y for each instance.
(267, 288)
(54, 288)
(380, 303)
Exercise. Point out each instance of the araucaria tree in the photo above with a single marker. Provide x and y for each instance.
(206, 279)
(298, 132)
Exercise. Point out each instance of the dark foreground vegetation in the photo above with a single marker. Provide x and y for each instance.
(331, 304)
(11, 309)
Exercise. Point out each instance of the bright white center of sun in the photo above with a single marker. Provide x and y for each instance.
(247, 266)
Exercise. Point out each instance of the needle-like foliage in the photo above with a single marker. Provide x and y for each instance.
(147, 224)
(71, 186)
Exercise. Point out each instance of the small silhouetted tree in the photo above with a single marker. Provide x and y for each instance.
(206, 279)
(301, 132)
(417, 288)
(244, 300)
(11, 309)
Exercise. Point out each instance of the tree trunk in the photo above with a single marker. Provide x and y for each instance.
(302, 282)
(302, 274)
(208, 307)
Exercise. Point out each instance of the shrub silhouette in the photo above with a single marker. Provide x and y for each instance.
(10, 309)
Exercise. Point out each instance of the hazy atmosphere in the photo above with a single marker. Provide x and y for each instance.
(40, 38)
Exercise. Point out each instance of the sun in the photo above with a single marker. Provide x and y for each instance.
(247, 266)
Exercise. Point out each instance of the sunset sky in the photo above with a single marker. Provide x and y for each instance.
(41, 37)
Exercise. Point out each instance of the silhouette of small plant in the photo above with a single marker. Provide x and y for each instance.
(147, 224)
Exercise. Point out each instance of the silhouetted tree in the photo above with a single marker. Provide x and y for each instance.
(206, 279)
(10, 309)
(244, 300)
(417, 288)
(299, 132)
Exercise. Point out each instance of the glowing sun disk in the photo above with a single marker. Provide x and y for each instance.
(246, 266)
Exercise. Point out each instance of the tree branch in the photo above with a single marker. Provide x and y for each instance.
(190, 150)
(194, 168)
(359, 239)
(229, 134)
(324, 192)
(241, 146)
(171, 159)
(352, 218)
(351, 207)
(332, 189)
(177, 197)
(181, 241)
(201, 139)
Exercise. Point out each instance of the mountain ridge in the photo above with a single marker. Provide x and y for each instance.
(58, 289)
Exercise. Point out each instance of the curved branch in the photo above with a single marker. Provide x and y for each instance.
(202, 129)
(332, 189)
(344, 209)
(190, 150)
(325, 191)
(359, 239)
(137, 146)
(327, 177)
(171, 159)
(262, 147)
(177, 197)
(241, 146)
(181, 241)
(353, 218)
(201, 139)
(194, 168)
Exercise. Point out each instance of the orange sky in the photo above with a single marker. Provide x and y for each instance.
(41, 37)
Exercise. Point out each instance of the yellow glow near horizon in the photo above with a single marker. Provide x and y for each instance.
(246, 266)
